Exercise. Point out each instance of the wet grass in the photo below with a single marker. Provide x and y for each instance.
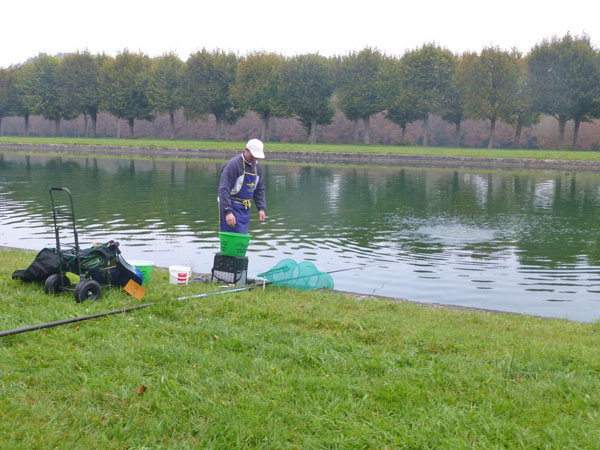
(321, 148)
(288, 369)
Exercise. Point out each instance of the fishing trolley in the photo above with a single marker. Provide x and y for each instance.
(96, 266)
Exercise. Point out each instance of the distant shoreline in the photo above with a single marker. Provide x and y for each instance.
(360, 159)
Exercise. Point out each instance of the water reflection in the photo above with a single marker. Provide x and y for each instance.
(523, 242)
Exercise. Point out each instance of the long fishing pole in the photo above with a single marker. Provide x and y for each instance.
(145, 305)
(354, 268)
(206, 294)
(72, 320)
(114, 311)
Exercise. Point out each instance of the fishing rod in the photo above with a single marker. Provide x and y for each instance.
(354, 268)
(114, 311)
(72, 320)
(145, 305)
(206, 294)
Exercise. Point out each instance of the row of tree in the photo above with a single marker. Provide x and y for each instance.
(558, 77)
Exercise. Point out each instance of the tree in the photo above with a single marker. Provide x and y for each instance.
(490, 86)
(79, 78)
(352, 112)
(401, 106)
(453, 110)
(40, 85)
(208, 79)
(427, 75)
(6, 92)
(258, 87)
(16, 95)
(164, 87)
(361, 87)
(402, 112)
(524, 114)
(308, 86)
(123, 86)
(565, 79)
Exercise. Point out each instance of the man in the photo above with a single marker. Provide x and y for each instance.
(242, 181)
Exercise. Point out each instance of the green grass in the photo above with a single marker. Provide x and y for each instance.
(288, 369)
(324, 148)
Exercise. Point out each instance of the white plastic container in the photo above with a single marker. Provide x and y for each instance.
(179, 274)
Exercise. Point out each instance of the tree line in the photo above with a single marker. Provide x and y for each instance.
(559, 77)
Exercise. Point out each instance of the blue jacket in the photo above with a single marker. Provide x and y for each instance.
(229, 176)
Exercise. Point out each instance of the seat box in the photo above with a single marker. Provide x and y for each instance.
(230, 269)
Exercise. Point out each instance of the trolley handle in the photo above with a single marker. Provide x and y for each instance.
(57, 212)
(59, 188)
(54, 206)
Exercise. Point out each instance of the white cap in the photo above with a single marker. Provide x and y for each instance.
(255, 147)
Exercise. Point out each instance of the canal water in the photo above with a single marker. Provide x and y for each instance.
(524, 242)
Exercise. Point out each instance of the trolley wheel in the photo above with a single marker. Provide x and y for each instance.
(53, 285)
(87, 290)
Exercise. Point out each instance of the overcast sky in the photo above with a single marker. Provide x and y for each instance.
(288, 27)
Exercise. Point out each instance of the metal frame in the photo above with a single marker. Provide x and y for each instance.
(63, 217)
(67, 216)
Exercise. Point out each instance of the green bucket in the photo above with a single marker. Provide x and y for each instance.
(234, 244)
(145, 267)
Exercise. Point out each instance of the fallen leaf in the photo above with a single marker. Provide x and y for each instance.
(141, 390)
(108, 394)
(77, 328)
(215, 337)
(43, 334)
(30, 400)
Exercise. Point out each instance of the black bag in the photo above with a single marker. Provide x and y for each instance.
(91, 262)
(119, 275)
(45, 264)
(97, 257)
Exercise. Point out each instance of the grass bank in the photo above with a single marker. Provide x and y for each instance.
(567, 155)
(288, 369)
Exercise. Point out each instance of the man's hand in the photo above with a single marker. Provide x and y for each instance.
(230, 219)
(261, 216)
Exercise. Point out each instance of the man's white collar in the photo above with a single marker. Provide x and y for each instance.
(247, 162)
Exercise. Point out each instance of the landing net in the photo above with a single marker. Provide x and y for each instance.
(304, 275)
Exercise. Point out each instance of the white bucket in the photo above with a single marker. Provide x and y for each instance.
(179, 274)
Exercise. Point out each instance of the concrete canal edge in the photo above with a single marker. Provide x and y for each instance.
(359, 296)
(358, 159)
